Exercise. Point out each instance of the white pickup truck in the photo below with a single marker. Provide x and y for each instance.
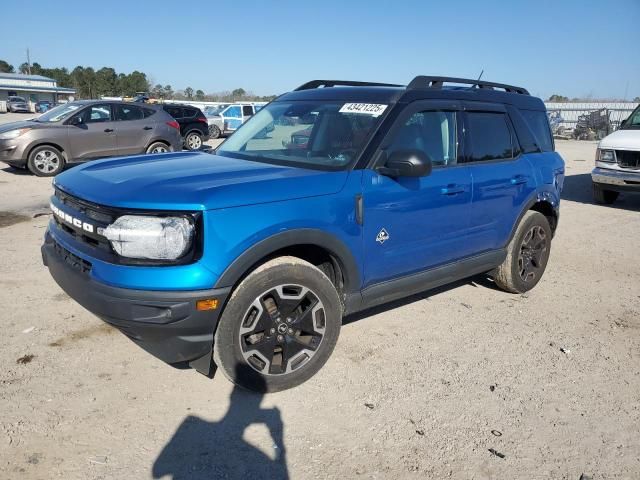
(618, 162)
(226, 119)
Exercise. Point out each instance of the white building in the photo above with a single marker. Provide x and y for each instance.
(33, 88)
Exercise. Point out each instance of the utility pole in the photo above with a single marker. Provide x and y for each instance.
(28, 62)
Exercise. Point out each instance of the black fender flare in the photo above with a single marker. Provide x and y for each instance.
(250, 258)
(536, 198)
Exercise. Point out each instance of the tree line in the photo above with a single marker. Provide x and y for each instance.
(562, 99)
(106, 82)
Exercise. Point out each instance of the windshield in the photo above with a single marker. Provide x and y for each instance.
(212, 111)
(320, 134)
(633, 122)
(58, 113)
(17, 99)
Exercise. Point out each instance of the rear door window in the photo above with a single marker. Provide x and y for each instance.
(128, 112)
(539, 124)
(490, 137)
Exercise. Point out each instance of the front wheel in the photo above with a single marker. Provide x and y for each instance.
(279, 326)
(602, 196)
(193, 141)
(527, 255)
(45, 161)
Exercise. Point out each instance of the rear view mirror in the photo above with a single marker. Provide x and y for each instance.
(407, 163)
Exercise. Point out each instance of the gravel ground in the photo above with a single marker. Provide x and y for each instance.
(464, 382)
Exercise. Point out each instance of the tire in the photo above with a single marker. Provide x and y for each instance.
(214, 132)
(193, 141)
(527, 255)
(266, 301)
(158, 147)
(602, 196)
(45, 161)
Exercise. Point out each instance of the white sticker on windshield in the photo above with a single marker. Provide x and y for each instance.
(373, 109)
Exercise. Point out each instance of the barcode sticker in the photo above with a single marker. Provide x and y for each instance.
(373, 109)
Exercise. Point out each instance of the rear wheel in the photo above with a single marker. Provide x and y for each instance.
(606, 197)
(279, 326)
(158, 147)
(193, 141)
(214, 131)
(45, 161)
(527, 255)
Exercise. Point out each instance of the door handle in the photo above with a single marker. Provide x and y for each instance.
(148, 128)
(519, 179)
(452, 190)
(108, 130)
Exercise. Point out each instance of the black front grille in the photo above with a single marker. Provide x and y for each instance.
(74, 261)
(628, 159)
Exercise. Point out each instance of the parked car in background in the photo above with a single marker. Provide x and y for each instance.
(44, 105)
(17, 104)
(618, 162)
(86, 130)
(193, 124)
(230, 118)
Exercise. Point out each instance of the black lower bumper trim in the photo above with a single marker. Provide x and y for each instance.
(164, 323)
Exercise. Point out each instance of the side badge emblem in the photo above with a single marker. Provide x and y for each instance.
(382, 236)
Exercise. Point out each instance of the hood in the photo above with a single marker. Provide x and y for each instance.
(626, 139)
(15, 125)
(193, 181)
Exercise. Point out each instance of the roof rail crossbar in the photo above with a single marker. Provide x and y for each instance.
(345, 83)
(423, 81)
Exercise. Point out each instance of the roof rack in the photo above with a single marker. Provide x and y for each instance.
(423, 81)
(346, 83)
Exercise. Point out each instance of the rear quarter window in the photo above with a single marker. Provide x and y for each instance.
(148, 112)
(190, 112)
(538, 122)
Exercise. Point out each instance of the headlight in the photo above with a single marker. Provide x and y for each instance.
(607, 156)
(154, 238)
(11, 134)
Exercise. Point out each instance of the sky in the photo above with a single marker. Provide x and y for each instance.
(576, 48)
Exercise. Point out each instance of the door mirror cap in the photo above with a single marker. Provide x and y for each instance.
(407, 163)
(77, 120)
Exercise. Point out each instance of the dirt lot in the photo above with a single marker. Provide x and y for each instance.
(422, 388)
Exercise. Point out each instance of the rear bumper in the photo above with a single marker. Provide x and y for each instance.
(164, 323)
(616, 180)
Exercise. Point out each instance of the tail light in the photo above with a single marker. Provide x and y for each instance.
(202, 119)
(174, 124)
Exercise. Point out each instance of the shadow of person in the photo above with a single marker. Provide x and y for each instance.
(202, 450)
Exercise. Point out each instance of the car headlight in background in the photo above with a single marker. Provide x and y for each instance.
(606, 156)
(153, 238)
(11, 134)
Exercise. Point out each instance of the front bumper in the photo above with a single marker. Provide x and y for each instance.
(164, 323)
(12, 153)
(616, 180)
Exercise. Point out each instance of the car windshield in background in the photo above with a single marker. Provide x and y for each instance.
(323, 135)
(212, 111)
(633, 122)
(58, 113)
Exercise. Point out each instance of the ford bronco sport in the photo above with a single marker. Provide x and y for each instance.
(252, 256)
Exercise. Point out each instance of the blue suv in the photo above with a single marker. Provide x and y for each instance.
(358, 194)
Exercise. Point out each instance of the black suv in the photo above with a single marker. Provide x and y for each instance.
(193, 125)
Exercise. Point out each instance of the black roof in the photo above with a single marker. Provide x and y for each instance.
(421, 87)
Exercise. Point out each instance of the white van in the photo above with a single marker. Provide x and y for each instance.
(618, 162)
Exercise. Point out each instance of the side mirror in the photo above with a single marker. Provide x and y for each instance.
(407, 163)
(77, 120)
(623, 121)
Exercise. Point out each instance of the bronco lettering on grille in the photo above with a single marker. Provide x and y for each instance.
(76, 222)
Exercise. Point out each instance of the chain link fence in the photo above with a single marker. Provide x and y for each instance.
(587, 121)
